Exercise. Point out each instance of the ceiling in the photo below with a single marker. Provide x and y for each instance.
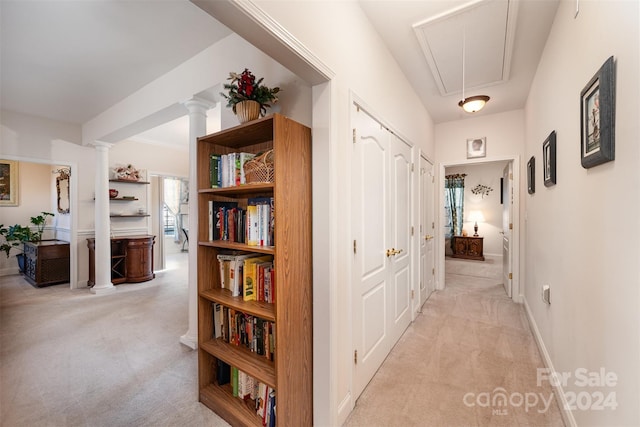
(71, 60)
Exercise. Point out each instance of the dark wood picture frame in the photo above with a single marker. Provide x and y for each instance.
(597, 117)
(549, 160)
(531, 175)
(9, 190)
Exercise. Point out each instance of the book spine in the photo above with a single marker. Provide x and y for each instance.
(214, 172)
(217, 321)
(212, 220)
(234, 380)
(248, 292)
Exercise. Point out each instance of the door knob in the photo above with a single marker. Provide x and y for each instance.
(428, 237)
(393, 252)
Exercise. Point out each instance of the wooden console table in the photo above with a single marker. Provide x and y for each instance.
(468, 247)
(46, 262)
(131, 259)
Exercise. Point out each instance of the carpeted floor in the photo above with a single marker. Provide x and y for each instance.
(71, 358)
(470, 347)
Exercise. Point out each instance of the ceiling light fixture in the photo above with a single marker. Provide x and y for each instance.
(473, 103)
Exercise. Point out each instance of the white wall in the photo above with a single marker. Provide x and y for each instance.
(488, 174)
(504, 133)
(581, 234)
(339, 34)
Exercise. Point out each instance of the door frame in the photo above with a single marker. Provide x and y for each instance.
(417, 302)
(73, 211)
(516, 287)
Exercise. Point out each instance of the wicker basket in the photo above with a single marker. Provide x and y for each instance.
(260, 168)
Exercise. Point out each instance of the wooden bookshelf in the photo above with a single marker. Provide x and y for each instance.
(290, 374)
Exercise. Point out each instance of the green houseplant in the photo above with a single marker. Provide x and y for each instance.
(244, 87)
(16, 235)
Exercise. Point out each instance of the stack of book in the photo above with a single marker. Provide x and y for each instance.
(227, 170)
(253, 226)
(244, 330)
(260, 221)
(247, 388)
(249, 275)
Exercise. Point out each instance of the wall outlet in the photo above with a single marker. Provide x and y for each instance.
(546, 294)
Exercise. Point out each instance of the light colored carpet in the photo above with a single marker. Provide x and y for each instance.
(470, 345)
(71, 358)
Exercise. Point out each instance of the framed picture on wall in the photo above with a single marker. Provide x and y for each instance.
(549, 160)
(597, 117)
(531, 175)
(8, 183)
(476, 147)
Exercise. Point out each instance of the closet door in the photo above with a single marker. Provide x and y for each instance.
(381, 221)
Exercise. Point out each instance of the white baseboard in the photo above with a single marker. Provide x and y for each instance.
(567, 415)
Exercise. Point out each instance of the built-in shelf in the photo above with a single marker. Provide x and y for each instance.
(129, 216)
(124, 199)
(127, 181)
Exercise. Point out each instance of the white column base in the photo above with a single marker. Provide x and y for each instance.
(189, 341)
(102, 290)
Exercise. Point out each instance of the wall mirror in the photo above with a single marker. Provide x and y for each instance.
(62, 184)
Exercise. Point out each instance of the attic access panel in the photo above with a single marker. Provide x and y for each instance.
(486, 28)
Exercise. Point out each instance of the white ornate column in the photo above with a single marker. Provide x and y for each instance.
(197, 127)
(102, 230)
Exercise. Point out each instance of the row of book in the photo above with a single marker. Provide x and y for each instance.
(249, 275)
(241, 329)
(253, 226)
(246, 387)
(227, 170)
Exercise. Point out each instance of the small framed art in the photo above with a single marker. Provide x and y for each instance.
(549, 160)
(597, 117)
(8, 183)
(531, 175)
(476, 147)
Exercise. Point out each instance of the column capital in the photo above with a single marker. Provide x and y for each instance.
(102, 144)
(198, 105)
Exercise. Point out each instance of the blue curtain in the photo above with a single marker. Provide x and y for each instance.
(454, 203)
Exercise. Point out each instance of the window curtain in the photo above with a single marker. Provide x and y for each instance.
(454, 203)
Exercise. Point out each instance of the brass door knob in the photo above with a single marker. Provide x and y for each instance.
(393, 252)
(428, 237)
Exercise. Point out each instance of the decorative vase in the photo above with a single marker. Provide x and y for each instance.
(247, 111)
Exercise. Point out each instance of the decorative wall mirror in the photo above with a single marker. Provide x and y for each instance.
(62, 184)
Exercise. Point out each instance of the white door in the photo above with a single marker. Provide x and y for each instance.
(427, 231)
(381, 171)
(399, 225)
(507, 211)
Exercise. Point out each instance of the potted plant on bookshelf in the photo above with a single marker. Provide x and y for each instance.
(16, 235)
(247, 96)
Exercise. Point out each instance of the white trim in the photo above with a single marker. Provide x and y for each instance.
(267, 23)
(567, 415)
(73, 209)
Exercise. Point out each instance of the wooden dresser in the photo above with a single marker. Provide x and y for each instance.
(46, 262)
(468, 247)
(131, 259)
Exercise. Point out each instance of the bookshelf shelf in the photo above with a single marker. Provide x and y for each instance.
(261, 309)
(251, 363)
(220, 400)
(222, 244)
(246, 189)
(290, 373)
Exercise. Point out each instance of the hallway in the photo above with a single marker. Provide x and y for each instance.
(470, 346)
